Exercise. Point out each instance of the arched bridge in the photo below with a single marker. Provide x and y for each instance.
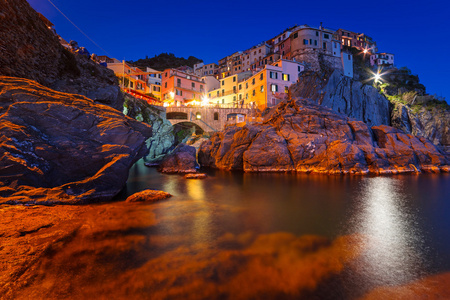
(210, 118)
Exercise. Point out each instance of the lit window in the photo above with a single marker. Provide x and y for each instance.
(261, 89)
(274, 88)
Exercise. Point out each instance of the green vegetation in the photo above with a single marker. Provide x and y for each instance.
(165, 61)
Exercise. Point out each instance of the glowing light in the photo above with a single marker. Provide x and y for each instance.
(166, 104)
(205, 101)
(377, 77)
(365, 51)
(172, 94)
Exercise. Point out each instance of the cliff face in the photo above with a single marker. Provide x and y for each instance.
(63, 148)
(28, 49)
(344, 95)
(163, 138)
(305, 137)
(431, 122)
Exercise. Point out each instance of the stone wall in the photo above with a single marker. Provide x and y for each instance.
(315, 60)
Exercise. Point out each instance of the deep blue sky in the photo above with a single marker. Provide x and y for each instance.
(417, 32)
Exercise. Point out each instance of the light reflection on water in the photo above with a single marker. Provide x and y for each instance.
(398, 216)
(393, 241)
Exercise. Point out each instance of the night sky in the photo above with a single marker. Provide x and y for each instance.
(417, 32)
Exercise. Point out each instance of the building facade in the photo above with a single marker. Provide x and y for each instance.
(382, 59)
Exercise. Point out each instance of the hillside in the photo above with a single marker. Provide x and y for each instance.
(164, 61)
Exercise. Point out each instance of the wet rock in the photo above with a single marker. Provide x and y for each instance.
(181, 160)
(63, 148)
(148, 196)
(305, 137)
(195, 176)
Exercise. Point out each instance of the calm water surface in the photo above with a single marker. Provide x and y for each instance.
(404, 218)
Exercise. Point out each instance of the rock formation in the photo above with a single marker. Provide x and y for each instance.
(63, 148)
(344, 95)
(148, 196)
(163, 139)
(429, 122)
(30, 50)
(181, 160)
(305, 137)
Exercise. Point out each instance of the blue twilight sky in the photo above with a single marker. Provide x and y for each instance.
(417, 32)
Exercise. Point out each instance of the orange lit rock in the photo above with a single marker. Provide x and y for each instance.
(195, 176)
(148, 196)
(63, 148)
(305, 137)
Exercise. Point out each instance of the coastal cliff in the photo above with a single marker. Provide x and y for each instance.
(63, 148)
(344, 95)
(302, 136)
(31, 50)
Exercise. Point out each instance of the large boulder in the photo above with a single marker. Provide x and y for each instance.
(181, 160)
(63, 148)
(305, 137)
(29, 49)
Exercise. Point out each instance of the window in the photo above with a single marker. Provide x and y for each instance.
(261, 89)
(216, 116)
(273, 75)
(253, 81)
(218, 93)
(234, 98)
(324, 45)
(286, 77)
(165, 85)
(246, 96)
(223, 82)
(274, 88)
(326, 36)
(234, 79)
(315, 42)
(246, 85)
(240, 96)
(299, 69)
(166, 74)
(240, 86)
(223, 92)
(349, 57)
(234, 89)
(310, 41)
(193, 85)
(223, 101)
(179, 82)
(253, 92)
(295, 35)
(305, 42)
(286, 89)
(317, 33)
(261, 76)
(131, 84)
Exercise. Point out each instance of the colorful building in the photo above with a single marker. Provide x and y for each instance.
(382, 59)
(182, 88)
(130, 78)
(263, 88)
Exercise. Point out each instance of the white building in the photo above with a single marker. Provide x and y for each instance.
(347, 64)
(382, 59)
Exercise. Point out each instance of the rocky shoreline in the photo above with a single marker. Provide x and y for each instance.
(301, 136)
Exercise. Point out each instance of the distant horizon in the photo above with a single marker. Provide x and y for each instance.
(211, 31)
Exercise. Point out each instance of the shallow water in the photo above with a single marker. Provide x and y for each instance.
(403, 218)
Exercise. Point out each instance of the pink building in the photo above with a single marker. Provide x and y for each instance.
(180, 88)
(382, 59)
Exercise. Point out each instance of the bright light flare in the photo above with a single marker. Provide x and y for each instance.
(172, 94)
(205, 101)
(377, 77)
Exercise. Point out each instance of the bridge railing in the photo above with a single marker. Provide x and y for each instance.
(226, 105)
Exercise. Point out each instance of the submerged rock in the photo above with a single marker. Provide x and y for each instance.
(63, 148)
(195, 176)
(305, 137)
(148, 196)
(181, 160)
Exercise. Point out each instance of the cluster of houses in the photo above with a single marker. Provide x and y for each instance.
(259, 76)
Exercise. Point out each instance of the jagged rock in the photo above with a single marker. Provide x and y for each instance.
(148, 196)
(63, 148)
(30, 50)
(430, 122)
(181, 160)
(163, 138)
(344, 95)
(305, 137)
(195, 176)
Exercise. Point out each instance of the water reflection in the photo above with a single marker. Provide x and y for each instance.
(393, 242)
